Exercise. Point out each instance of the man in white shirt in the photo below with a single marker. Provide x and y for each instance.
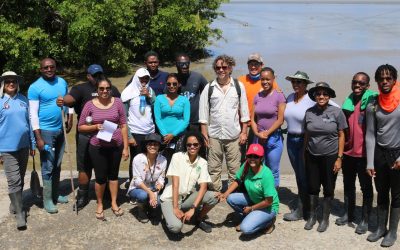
(223, 114)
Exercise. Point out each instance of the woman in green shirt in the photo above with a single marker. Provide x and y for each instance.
(259, 205)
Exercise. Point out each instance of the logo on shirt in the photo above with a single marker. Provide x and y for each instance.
(328, 119)
(188, 95)
(257, 185)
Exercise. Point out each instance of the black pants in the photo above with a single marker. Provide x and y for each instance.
(106, 162)
(319, 171)
(386, 180)
(135, 150)
(351, 167)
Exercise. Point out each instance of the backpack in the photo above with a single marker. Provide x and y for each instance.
(237, 87)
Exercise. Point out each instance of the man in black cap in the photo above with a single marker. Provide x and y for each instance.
(77, 98)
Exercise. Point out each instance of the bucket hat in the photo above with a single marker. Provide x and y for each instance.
(12, 74)
(324, 86)
(300, 75)
(153, 137)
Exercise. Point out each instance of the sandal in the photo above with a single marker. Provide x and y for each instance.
(118, 212)
(100, 216)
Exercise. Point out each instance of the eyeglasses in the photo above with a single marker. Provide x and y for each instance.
(182, 64)
(8, 81)
(253, 157)
(173, 84)
(221, 67)
(49, 67)
(194, 145)
(359, 83)
(323, 93)
(104, 89)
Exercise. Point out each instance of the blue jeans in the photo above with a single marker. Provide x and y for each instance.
(51, 160)
(295, 149)
(141, 196)
(253, 221)
(273, 148)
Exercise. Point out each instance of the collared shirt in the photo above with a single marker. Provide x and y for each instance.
(189, 174)
(223, 115)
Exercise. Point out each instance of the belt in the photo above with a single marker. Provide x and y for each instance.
(295, 135)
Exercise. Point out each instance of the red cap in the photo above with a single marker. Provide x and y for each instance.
(255, 149)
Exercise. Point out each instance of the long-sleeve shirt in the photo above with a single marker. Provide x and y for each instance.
(172, 119)
(223, 116)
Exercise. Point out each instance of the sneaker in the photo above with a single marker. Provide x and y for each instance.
(205, 227)
(142, 215)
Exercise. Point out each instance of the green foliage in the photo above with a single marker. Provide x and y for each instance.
(110, 32)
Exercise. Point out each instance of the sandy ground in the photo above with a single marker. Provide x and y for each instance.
(66, 230)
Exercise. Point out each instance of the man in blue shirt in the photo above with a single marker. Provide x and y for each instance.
(46, 120)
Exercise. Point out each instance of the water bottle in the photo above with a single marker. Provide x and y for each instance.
(142, 106)
(89, 120)
(48, 148)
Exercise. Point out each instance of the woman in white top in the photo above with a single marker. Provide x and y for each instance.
(181, 199)
(148, 171)
(139, 115)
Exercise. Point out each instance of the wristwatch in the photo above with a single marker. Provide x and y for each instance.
(340, 157)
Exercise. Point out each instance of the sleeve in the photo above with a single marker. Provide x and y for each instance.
(268, 185)
(186, 117)
(121, 111)
(163, 165)
(34, 114)
(204, 175)
(137, 166)
(203, 106)
(75, 93)
(342, 123)
(370, 137)
(126, 108)
(173, 166)
(85, 113)
(281, 98)
(157, 115)
(244, 107)
(31, 134)
(239, 172)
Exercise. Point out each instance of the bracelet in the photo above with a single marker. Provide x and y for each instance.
(252, 209)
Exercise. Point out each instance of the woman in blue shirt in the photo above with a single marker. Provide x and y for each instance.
(16, 138)
(172, 114)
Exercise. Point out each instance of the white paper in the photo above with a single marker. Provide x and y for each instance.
(108, 129)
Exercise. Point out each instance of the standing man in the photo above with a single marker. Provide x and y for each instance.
(354, 155)
(383, 153)
(192, 84)
(158, 78)
(46, 119)
(224, 115)
(77, 98)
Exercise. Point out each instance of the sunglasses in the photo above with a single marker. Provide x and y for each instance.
(359, 83)
(8, 81)
(173, 84)
(183, 64)
(321, 93)
(254, 64)
(49, 67)
(104, 89)
(194, 145)
(253, 157)
(221, 67)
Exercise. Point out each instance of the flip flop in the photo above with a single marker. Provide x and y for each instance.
(100, 216)
(119, 212)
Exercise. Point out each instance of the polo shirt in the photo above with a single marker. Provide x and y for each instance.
(157, 83)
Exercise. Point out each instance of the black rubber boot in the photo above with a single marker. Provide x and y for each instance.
(391, 236)
(382, 221)
(362, 227)
(296, 214)
(326, 211)
(349, 206)
(82, 199)
(16, 200)
(312, 218)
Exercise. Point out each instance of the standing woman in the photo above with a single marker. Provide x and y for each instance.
(138, 99)
(105, 155)
(324, 144)
(172, 114)
(297, 104)
(266, 120)
(16, 138)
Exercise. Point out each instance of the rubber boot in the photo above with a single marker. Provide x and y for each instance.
(382, 221)
(56, 183)
(142, 213)
(296, 214)
(16, 200)
(48, 198)
(349, 206)
(362, 227)
(391, 236)
(312, 218)
(326, 211)
(82, 199)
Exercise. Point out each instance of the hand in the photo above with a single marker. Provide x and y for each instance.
(99, 126)
(396, 165)
(40, 144)
(132, 142)
(263, 134)
(153, 200)
(32, 152)
(206, 140)
(188, 215)
(60, 101)
(178, 213)
(337, 166)
(371, 172)
(144, 91)
(220, 196)
(242, 138)
(247, 210)
(168, 138)
(159, 187)
(125, 154)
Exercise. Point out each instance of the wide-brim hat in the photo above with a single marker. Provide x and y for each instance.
(255, 149)
(324, 86)
(153, 137)
(12, 74)
(300, 75)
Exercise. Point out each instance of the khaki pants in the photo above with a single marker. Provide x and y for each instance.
(219, 148)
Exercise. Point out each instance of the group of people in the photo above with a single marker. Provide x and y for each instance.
(180, 126)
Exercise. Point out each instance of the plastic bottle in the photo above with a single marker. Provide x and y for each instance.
(142, 106)
(89, 120)
(48, 148)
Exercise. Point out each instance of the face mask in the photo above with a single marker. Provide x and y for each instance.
(255, 78)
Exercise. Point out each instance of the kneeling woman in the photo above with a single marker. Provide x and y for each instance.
(148, 171)
(181, 199)
(260, 205)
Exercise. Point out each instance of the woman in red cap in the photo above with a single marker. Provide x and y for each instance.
(258, 205)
